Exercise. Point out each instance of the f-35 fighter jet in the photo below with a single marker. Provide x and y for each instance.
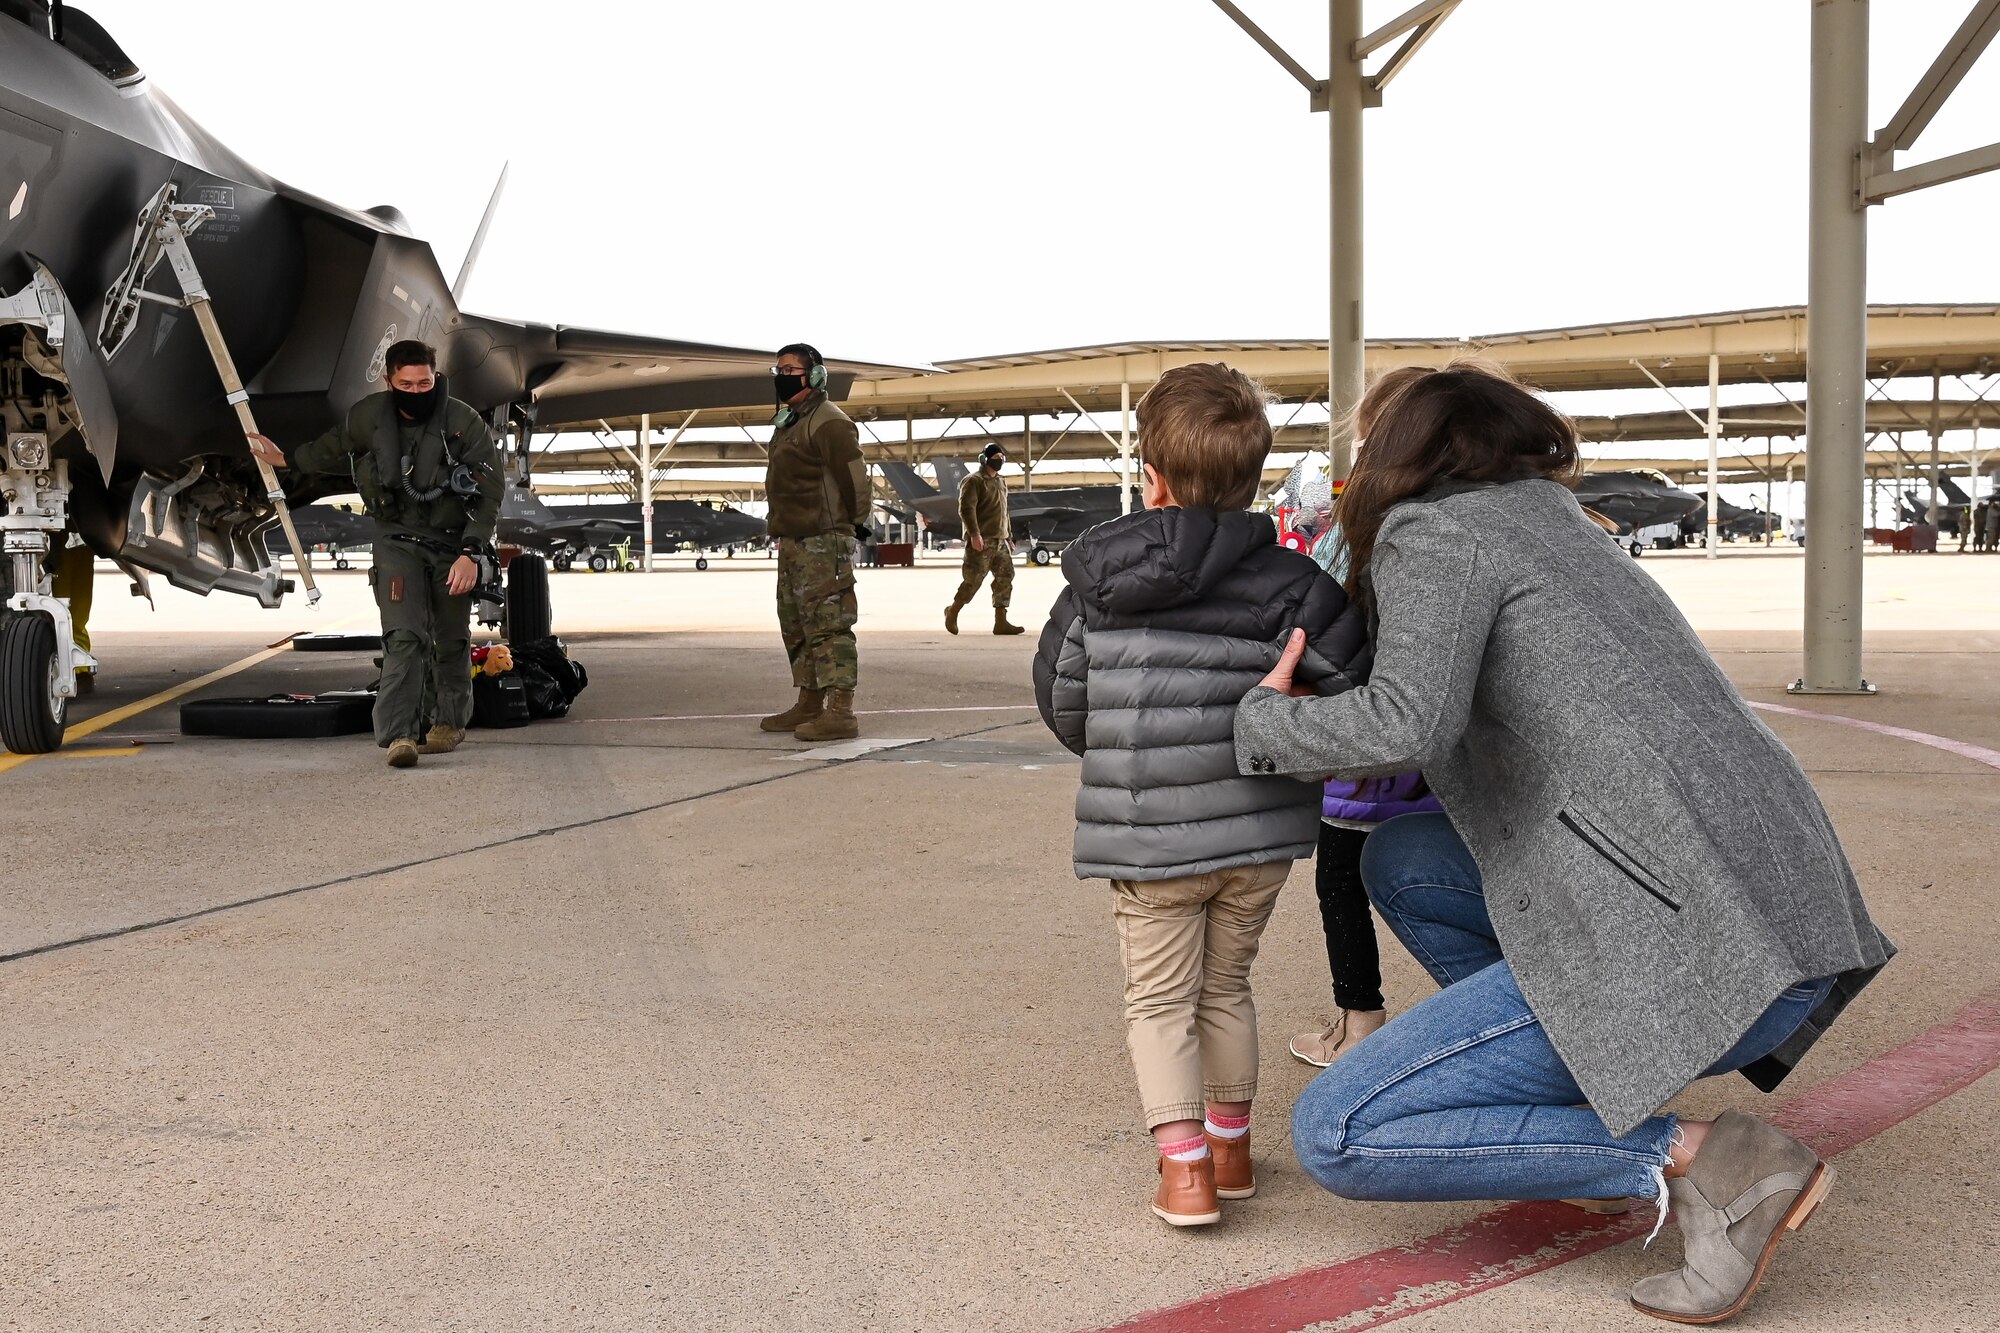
(119, 218)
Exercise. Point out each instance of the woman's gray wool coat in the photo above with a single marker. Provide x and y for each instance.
(1656, 864)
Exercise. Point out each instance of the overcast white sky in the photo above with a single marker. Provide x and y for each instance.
(911, 180)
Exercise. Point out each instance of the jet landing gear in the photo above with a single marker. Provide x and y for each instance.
(1040, 555)
(39, 659)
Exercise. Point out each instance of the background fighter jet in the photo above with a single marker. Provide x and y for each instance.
(1634, 500)
(1043, 519)
(1733, 522)
(112, 404)
(570, 532)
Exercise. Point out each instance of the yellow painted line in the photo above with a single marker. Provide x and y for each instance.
(121, 752)
(96, 724)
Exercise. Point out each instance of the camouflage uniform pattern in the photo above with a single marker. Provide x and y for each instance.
(982, 511)
(997, 558)
(817, 611)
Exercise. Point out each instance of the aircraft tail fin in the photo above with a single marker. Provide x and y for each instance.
(906, 482)
(951, 474)
(478, 239)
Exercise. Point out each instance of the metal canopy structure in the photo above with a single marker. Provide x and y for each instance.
(1763, 346)
(1849, 173)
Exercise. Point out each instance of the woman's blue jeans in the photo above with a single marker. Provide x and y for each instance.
(1463, 1096)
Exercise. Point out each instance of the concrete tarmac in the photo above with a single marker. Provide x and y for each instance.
(647, 1019)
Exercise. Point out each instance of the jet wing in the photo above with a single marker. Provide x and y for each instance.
(584, 375)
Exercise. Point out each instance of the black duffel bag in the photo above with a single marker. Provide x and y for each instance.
(549, 678)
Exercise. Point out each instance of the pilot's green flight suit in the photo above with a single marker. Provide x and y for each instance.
(426, 632)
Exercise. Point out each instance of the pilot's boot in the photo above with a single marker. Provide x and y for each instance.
(951, 617)
(442, 739)
(835, 723)
(403, 753)
(1001, 624)
(809, 706)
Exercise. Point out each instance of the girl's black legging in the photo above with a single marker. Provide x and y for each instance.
(1344, 915)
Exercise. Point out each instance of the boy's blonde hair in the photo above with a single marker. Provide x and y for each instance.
(1204, 429)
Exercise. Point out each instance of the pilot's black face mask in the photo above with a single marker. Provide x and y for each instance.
(787, 387)
(995, 462)
(419, 405)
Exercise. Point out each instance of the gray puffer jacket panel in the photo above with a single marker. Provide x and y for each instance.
(1170, 617)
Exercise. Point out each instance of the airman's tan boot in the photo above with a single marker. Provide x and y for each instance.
(951, 618)
(403, 753)
(835, 722)
(805, 710)
(442, 740)
(1001, 625)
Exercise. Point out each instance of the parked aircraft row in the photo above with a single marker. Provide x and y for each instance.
(566, 534)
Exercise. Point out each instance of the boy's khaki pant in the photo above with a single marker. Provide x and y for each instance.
(1188, 944)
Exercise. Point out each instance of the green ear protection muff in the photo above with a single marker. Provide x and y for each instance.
(815, 379)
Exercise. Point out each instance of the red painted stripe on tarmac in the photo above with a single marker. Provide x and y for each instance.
(1520, 1239)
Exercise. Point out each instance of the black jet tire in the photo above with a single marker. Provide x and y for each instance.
(1040, 556)
(32, 714)
(342, 563)
(1637, 550)
(528, 599)
(599, 563)
(701, 562)
(281, 717)
(562, 563)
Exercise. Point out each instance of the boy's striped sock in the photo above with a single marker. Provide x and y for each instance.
(1187, 1150)
(1226, 1126)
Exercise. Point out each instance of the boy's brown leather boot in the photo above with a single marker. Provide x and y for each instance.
(1235, 1175)
(1186, 1197)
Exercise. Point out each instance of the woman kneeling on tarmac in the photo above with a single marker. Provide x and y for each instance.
(1633, 884)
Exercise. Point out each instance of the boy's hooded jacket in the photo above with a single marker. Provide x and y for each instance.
(1170, 617)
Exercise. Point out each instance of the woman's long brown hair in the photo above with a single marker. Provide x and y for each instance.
(1469, 421)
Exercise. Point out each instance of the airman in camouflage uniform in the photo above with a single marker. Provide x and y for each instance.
(989, 544)
(817, 491)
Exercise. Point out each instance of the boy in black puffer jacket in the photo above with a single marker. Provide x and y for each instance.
(1170, 617)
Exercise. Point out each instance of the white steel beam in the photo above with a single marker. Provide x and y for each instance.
(1428, 13)
(1942, 78)
(1836, 350)
(1714, 427)
(1888, 184)
(1278, 53)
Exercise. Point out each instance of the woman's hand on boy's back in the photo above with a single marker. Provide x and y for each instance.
(1281, 677)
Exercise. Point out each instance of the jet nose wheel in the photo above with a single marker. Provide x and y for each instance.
(701, 562)
(599, 563)
(32, 713)
(1040, 556)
